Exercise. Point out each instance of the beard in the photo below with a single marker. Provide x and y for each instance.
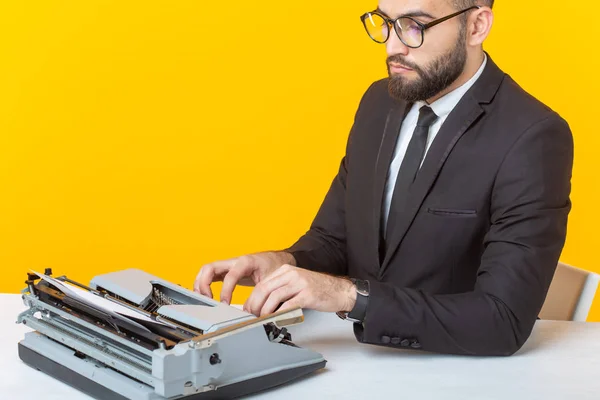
(433, 78)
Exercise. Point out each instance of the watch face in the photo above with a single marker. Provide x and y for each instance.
(362, 287)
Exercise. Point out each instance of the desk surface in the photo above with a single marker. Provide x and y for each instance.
(561, 360)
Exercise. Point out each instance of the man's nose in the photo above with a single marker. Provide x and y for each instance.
(395, 46)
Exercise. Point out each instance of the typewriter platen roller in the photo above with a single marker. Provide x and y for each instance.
(131, 335)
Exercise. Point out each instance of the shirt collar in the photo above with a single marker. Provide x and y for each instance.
(445, 104)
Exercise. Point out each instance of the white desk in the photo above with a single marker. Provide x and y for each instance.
(561, 360)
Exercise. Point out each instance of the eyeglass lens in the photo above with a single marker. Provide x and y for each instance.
(407, 29)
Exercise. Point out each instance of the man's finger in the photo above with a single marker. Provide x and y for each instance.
(277, 297)
(241, 268)
(263, 291)
(203, 280)
(209, 274)
(293, 303)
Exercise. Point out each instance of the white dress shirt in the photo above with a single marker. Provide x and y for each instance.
(441, 107)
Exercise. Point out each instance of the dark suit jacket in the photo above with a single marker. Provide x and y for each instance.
(472, 255)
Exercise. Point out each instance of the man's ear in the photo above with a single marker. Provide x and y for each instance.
(479, 24)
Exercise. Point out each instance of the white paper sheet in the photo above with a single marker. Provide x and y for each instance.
(98, 302)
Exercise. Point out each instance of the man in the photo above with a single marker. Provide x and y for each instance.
(450, 207)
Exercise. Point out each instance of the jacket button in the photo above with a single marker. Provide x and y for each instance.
(415, 344)
(395, 340)
(385, 339)
(405, 343)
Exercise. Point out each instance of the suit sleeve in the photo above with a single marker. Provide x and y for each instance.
(529, 208)
(323, 247)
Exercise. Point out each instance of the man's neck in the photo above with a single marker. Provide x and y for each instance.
(471, 67)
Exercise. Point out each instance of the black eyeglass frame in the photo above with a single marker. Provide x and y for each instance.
(422, 27)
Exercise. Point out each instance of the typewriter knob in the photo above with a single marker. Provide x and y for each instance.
(214, 359)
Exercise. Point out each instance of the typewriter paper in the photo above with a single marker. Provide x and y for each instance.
(98, 302)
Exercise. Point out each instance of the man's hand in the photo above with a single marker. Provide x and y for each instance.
(297, 287)
(246, 270)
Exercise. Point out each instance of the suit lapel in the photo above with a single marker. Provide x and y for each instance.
(457, 123)
(466, 112)
(384, 157)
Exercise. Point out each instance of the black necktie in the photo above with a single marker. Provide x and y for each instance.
(410, 166)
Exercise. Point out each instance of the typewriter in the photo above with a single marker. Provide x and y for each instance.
(132, 335)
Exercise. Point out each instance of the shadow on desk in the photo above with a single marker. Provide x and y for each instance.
(549, 335)
(293, 383)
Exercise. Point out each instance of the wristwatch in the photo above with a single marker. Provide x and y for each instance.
(357, 314)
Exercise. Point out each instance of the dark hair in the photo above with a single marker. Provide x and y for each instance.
(462, 4)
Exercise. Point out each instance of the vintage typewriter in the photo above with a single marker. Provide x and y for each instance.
(131, 335)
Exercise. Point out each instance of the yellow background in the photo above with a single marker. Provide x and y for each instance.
(164, 135)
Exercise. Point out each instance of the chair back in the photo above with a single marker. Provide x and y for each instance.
(571, 294)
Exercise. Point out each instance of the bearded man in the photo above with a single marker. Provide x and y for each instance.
(444, 225)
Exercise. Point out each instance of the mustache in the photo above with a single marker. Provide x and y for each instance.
(399, 59)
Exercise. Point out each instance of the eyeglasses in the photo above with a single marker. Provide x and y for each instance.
(409, 30)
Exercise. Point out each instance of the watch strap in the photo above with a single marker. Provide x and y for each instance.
(359, 310)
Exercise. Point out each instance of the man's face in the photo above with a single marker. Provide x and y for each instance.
(422, 73)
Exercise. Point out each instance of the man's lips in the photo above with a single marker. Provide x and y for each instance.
(399, 68)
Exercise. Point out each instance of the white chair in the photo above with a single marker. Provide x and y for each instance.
(571, 294)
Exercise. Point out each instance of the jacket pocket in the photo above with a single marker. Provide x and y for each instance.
(452, 212)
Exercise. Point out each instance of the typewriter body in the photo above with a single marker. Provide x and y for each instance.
(131, 335)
